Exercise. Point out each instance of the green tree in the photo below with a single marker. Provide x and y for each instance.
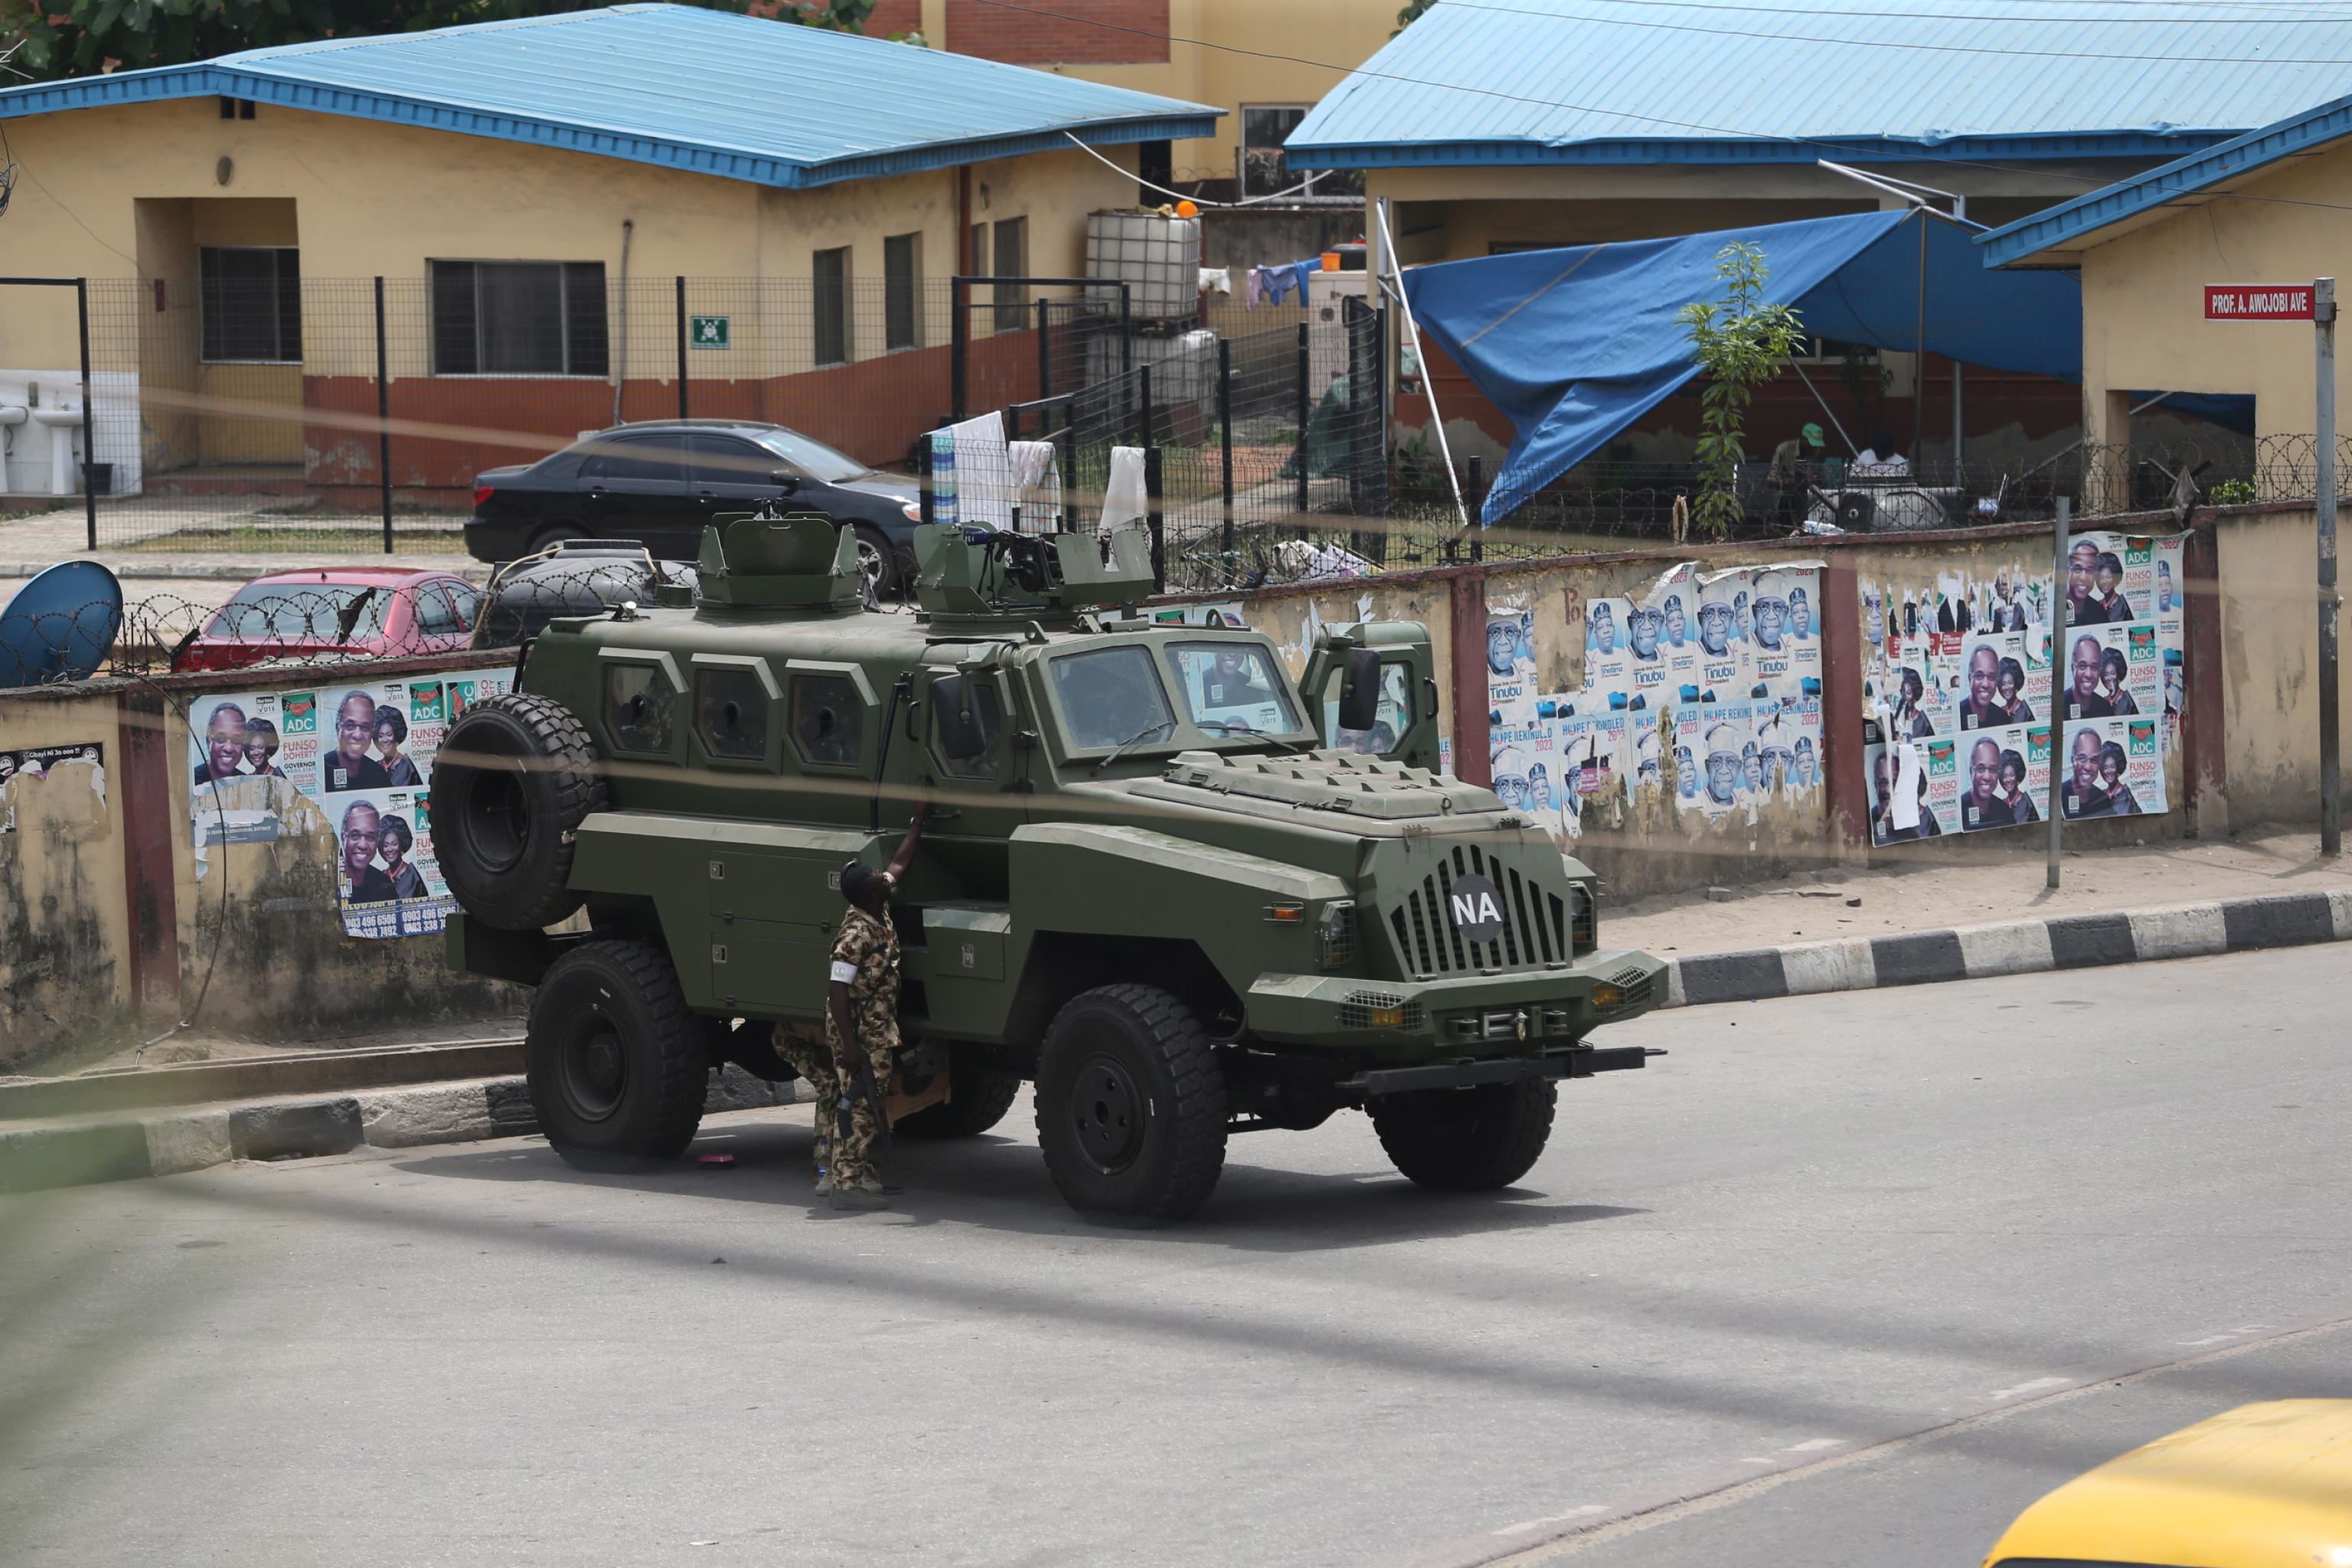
(1413, 13)
(84, 37)
(1740, 344)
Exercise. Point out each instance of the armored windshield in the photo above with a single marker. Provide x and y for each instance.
(1109, 697)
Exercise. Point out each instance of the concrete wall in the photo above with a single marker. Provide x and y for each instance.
(64, 917)
(107, 928)
(2270, 649)
(2143, 327)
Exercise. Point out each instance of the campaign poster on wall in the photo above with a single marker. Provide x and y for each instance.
(1994, 655)
(22, 770)
(354, 760)
(1734, 656)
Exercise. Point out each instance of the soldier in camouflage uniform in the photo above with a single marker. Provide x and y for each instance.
(861, 1028)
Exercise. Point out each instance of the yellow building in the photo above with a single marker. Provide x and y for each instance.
(529, 192)
(2271, 206)
(1265, 62)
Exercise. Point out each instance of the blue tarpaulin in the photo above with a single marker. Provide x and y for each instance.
(1576, 345)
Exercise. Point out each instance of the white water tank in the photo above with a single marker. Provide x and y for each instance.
(1157, 257)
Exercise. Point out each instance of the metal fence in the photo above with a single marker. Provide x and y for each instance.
(265, 411)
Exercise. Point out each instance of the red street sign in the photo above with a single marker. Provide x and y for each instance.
(2258, 302)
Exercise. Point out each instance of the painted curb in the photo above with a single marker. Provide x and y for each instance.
(2010, 947)
(164, 1143)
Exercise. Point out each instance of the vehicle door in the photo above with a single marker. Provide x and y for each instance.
(1406, 727)
(640, 486)
(732, 474)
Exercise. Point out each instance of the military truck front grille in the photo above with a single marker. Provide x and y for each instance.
(1535, 920)
(1364, 1010)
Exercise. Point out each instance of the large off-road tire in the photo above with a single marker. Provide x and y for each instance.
(979, 1098)
(514, 778)
(1131, 1106)
(1466, 1139)
(616, 1062)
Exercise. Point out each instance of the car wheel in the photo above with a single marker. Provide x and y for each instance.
(1466, 1139)
(547, 538)
(615, 1062)
(876, 568)
(1131, 1106)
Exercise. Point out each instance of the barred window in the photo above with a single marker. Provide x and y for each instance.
(519, 318)
(251, 304)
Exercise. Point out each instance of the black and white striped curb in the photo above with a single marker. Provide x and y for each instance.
(121, 1147)
(2010, 947)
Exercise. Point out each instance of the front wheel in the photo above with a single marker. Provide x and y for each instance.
(617, 1061)
(1131, 1106)
(877, 567)
(1466, 1139)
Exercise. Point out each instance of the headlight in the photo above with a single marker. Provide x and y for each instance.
(913, 509)
(1336, 934)
(1584, 919)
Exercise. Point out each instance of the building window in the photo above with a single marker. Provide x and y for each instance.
(1264, 128)
(519, 318)
(830, 300)
(252, 304)
(902, 299)
(1012, 248)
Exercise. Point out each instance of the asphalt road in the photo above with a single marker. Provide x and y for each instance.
(1844, 1280)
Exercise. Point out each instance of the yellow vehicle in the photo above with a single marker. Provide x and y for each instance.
(2262, 1486)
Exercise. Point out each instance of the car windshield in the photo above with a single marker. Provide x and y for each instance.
(308, 612)
(1231, 688)
(1109, 697)
(813, 457)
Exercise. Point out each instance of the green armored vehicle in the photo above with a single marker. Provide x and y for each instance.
(1184, 896)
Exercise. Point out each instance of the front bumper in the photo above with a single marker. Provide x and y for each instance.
(1500, 1014)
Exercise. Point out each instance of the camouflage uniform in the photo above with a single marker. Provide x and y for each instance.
(872, 946)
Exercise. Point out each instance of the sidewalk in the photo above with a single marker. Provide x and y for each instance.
(1969, 890)
(1969, 918)
(224, 539)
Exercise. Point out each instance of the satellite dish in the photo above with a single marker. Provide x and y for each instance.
(61, 624)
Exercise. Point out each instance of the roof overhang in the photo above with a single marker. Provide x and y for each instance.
(2059, 236)
(214, 79)
(1734, 150)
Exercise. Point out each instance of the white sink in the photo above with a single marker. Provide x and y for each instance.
(11, 416)
(62, 420)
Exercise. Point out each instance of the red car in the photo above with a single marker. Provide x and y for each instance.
(358, 612)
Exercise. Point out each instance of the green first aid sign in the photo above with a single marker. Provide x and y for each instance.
(706, 332)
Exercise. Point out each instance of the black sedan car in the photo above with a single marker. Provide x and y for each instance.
(660, 482)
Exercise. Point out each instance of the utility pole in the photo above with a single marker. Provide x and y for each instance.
(2331, 780)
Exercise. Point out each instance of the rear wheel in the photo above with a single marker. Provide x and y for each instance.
(978, 1100)
(1467, 1140)
(514, 779)
(554, 534)
(1131, 1106)
(616, 1061)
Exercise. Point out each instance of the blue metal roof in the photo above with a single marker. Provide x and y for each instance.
(1623, 81)
(2050, 237)
(734, 96)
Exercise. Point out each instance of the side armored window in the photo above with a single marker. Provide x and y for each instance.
(730, 713)
(828, 720)
(637, 708)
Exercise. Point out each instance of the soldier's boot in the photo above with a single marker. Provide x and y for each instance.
(860, 1197)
